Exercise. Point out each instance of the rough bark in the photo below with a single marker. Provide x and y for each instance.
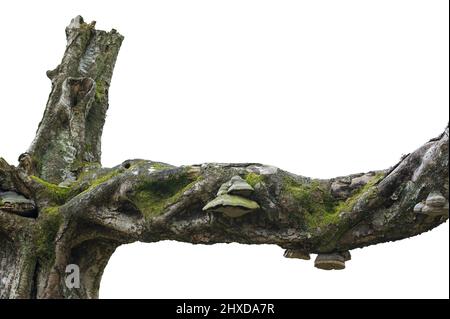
(69, 134)
(67, 209)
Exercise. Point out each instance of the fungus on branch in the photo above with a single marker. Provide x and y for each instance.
(231, 199)
(434, 205)
(11, 202)
(297, 253)
(334, 261)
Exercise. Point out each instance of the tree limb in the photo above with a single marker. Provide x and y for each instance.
(60, 207)
(150, 201)
(70, 132)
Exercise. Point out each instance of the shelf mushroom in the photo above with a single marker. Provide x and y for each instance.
(332, 261)
(297, 253)
(15, 203)
(239, 186)
(435, 205)
(231, 199)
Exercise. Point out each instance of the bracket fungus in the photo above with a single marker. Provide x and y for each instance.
(333, 261)
(240, 187)
(15, 203)
(434, 205)
(231, 199)
(297, 253)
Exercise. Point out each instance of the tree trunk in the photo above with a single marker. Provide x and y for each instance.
(69, 134)
(62, 214)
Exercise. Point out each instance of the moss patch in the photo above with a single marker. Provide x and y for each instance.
(51, 211)
(103, 179)
(347, 205)
(100, 91)
(60, 195)
(54, 192)
(315, 204)
(49, 223)
(316, 207)
(152, 197)
(86, 26)
(252, 179)
(160, 166)
(88, 184)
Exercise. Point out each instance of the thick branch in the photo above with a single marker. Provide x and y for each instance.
(152, 201)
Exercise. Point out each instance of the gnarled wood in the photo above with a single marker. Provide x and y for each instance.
(69, 134)
(84, 211)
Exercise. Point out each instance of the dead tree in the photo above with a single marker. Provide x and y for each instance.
(61, 207)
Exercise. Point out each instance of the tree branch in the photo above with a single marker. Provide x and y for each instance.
(70, 132)
(152, 201)
(61, 207)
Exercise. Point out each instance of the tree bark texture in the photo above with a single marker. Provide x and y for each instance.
(61, 207)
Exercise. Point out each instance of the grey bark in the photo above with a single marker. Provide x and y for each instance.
(67, 209)
(69, 134)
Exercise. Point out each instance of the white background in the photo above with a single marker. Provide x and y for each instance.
(319, 88)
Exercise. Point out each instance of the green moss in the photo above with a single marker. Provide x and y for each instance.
(50, 211)
(160, 166)
(92, 183)
(347, 205)
(100, 91)
(86, 26)
(54, 192)
(85, 169)
(252, 179)
(60, 195)
(367, 192)
(322, 219)
(152, 197)
(88, 147)
(49, 222)
(316, 206)
(103, 179)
